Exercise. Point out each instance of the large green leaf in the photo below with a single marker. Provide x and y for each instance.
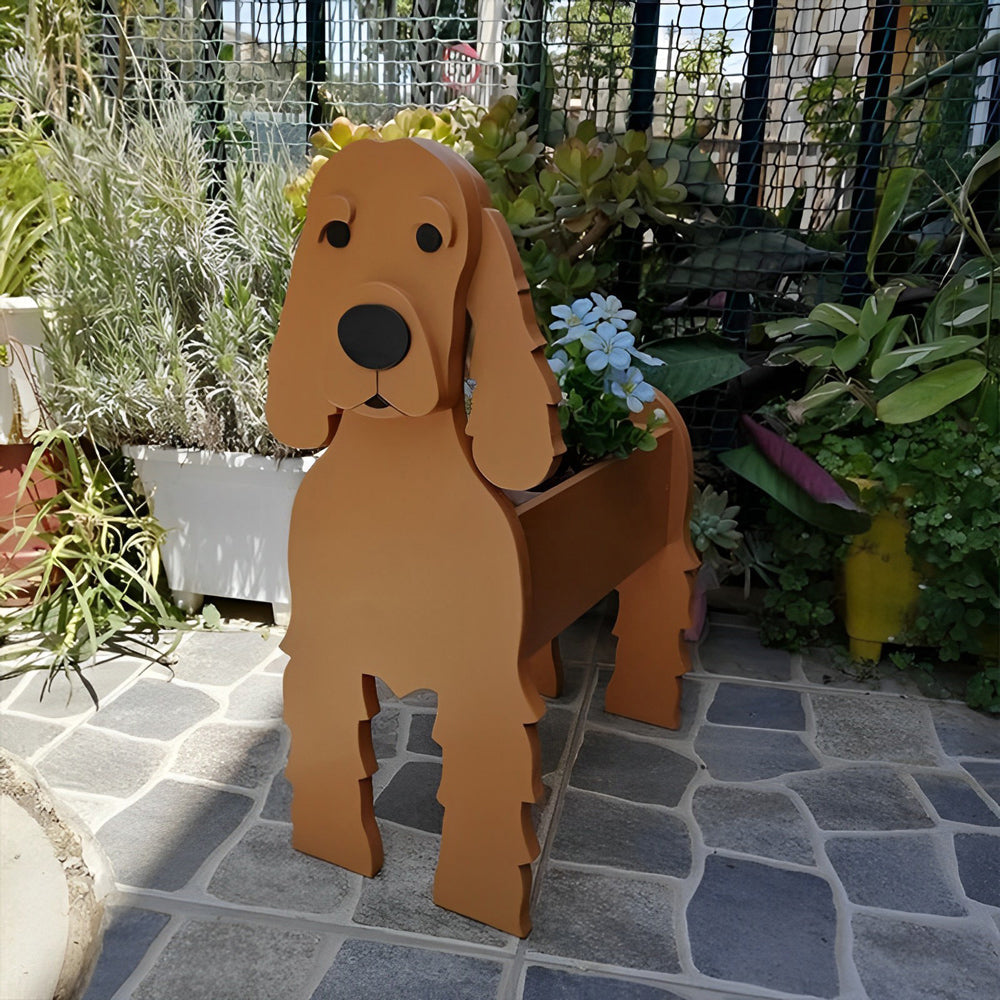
(749, 463)
(844, 319)
(919, 354)
(894, 199)
(691, 365)
(929, 393)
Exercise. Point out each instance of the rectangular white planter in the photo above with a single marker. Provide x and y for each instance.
(227, 517)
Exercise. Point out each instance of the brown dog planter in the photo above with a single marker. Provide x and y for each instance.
(407, 561)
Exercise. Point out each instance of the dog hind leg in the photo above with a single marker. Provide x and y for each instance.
(653, 612)
(330, 766)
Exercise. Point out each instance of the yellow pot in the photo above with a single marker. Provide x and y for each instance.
(881, 585)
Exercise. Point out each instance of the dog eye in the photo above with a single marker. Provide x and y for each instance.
(428, 238)
(338, 234)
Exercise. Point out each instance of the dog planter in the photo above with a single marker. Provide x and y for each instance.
(406, 560)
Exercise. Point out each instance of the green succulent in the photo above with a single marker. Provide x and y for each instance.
(713, 523)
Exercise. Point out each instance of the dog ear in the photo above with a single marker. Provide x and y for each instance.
(297, 410)
(513, 422)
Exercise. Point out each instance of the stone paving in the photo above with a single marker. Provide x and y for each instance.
(800, 836)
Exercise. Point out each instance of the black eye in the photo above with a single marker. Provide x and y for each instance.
(428, 238)
(338, 234)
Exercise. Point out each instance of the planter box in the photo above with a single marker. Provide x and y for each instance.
(21, 334)
(227, 517)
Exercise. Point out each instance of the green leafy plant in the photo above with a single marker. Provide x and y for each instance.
(166, 283)
(96, 574)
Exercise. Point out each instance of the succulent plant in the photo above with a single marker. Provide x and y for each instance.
(713, 524)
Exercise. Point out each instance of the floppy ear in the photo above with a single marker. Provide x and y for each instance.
(298, 412)
(513, 423)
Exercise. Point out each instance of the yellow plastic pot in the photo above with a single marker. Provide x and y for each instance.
(880, 583)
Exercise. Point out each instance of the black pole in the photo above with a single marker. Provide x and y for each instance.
(532, 53)
(645, 25)
(738, 316)
(873, 109)
(315, 58)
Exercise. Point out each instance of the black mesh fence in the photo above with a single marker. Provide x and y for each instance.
(781, 117)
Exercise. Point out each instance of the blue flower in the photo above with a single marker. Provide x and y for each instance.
(608, 347)
(630, 386)
(647, 359)
(608, 310)
(559, 362)
(571, 319)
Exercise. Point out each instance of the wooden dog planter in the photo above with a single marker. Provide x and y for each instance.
(407, 562)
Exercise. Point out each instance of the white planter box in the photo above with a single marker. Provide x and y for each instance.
(227, 517)
(21, 333)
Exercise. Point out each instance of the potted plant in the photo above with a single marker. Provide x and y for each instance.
(166, 280)
(902, 401)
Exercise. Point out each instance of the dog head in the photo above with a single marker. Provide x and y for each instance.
(400, 257)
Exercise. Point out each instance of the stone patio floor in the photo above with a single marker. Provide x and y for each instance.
(801, 836)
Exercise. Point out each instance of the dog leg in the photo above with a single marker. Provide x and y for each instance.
(491, 774)
(545, 668)
(330, 766)
(653, 612)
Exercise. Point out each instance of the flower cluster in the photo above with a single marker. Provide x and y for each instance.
(593, 363)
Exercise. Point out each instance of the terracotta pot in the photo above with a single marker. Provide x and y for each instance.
(16, 511)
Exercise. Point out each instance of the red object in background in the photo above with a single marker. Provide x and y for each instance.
(17, 510)
(462, 66)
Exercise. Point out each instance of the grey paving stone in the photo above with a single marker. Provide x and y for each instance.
(553, 731)
(965, 733)
(230, 754)
(897, 959)
(25, 736)
(217, 959)
(604, 918)
(979, 865)
(67, 696)
(576, 643)
(691, 692)
(277, 665)
(896, 873)
(771, 927)
(370, 970)
(631, 769)
(420, 739)
(737, 652)
(385, 733)
(97, 760)
(606, 646)
(411, 797)
(988, 777)
(401, 896)
(222, 658)
(752, 705)
(257, 699)
(874, 728)
(575, 677)
(278, 804)
(162, 839)
(128, 934)
(541, 983)
(156, 709)
(956, 800)
(421, 698)
(595, 830)
(860, 798)
(264, 870)
(753, 822)
(733, 754)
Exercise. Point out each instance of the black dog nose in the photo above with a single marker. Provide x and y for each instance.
(374, 336)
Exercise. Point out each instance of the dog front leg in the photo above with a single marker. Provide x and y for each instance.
(330, 766)
(490, 775)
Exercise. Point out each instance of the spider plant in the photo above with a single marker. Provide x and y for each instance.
(96, 574)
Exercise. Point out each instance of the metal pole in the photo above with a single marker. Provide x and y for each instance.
(315, 58)
(530, 70)
(753, 122)
(425, 69)
(645, 26)
(873, 109)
